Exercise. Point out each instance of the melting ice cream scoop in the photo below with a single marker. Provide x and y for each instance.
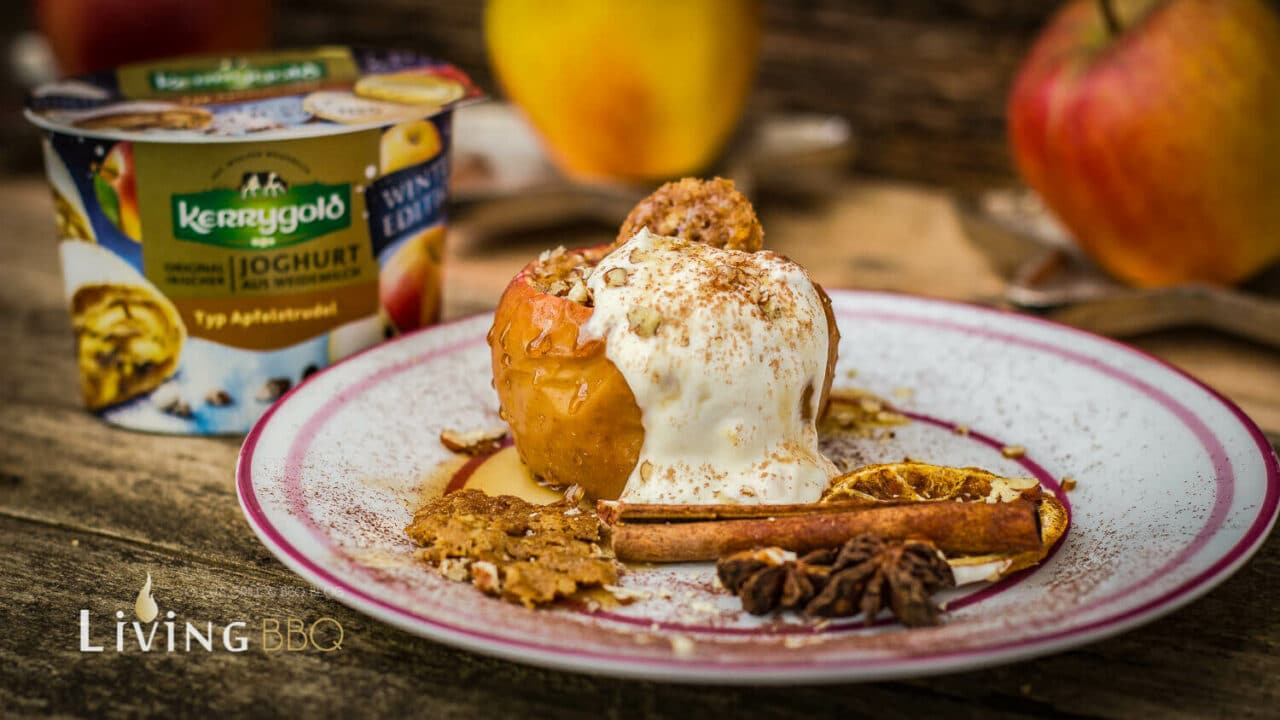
(726, 354)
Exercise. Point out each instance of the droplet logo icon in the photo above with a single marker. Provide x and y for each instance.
(145, 607)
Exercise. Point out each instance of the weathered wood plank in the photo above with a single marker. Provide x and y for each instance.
(1218, 657)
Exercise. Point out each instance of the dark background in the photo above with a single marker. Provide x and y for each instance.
(922, 81)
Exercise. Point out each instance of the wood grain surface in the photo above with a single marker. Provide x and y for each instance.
(86, 511)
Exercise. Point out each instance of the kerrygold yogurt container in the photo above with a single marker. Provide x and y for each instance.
(230, 225)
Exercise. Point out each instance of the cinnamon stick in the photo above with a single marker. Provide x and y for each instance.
(614, 511)
(970, 528)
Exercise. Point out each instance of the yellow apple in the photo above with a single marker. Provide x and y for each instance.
(627, 89)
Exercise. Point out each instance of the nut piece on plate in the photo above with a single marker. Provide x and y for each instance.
(859, 413)
(474, 442)
(706, 211)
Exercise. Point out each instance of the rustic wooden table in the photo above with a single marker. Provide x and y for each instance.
(87, 510)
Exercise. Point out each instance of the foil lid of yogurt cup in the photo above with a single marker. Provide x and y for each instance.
(259, 96)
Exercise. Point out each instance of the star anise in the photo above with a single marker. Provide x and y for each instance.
(864, 575)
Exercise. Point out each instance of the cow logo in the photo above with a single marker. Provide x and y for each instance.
(266, 184)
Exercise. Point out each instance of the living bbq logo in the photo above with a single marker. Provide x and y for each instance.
(153, 631)
(262, 213)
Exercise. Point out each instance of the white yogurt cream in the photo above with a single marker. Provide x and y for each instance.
(726, 353)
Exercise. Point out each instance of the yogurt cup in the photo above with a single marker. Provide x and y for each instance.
(230, 225)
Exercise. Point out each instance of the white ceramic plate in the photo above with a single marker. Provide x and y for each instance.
(1176, 489)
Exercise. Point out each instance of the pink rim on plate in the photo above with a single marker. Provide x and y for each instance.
(1136, 550)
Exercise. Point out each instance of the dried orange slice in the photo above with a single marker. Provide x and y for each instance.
(913, 481)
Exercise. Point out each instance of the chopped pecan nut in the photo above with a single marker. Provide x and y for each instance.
(644, 321)
(578, 292)
(1013, 452)
(859, 413)
(616, 277)
(564, 273)
(474, 442)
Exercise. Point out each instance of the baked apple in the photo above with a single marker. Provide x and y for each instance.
(669, 369)
(572, 415)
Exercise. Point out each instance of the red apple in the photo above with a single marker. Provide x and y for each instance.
(1152, 130)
